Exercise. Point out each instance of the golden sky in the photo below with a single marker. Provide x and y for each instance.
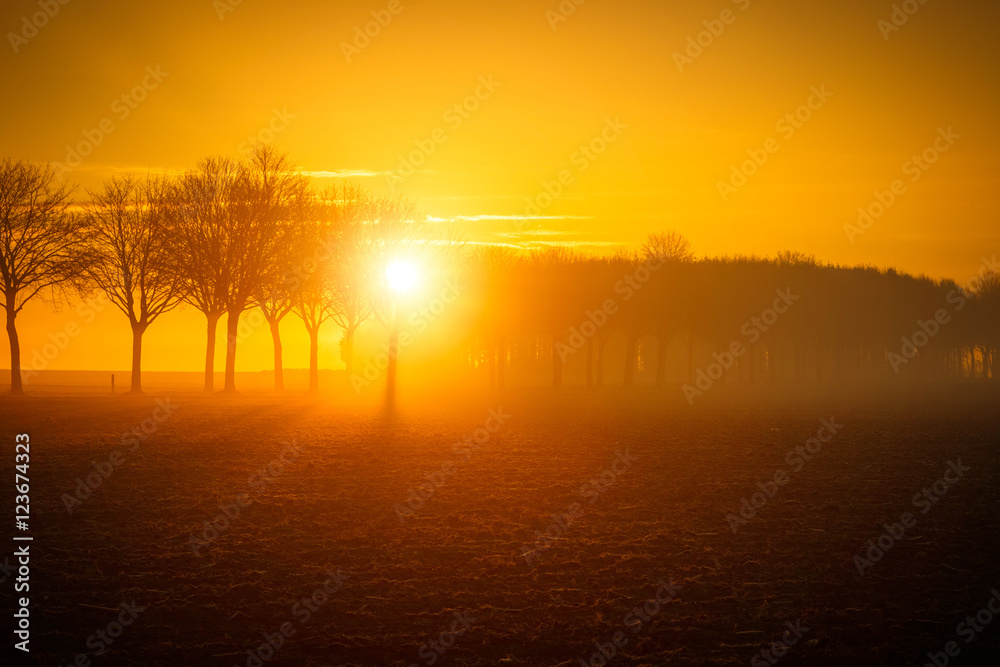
(535, 84)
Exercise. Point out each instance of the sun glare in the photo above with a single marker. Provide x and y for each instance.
(402, 277)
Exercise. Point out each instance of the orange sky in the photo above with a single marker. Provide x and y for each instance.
(283, 65)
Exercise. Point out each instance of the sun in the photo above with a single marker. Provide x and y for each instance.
(402, 277)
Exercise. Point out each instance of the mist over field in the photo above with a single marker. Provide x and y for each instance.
(556, 333)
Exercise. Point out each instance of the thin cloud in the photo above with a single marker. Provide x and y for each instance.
(482, 218)
(346, 173)
(535, 232)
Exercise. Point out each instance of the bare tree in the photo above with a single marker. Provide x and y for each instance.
(350, 208)
(290, 255)
(391, 243)
(667, 247)
(494, 268)
(257, 203)
(276, 301)
(313, 297)
(38, 242)
(128, 258)
(199, 214)
(668, 251)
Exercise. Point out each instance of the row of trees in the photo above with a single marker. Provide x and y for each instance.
(665, 309)
(229, 236)
(223, 238)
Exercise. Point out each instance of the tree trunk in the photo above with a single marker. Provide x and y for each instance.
(661, 360)
(491, 361)
(390, 371)
(691, 357)
(349, 352)
(213, 325)
(137, 331)
(629, 363)
(501, 361)
(279, 369)
(599, 375)
(557, 366)
(772, 361)
(232, 330)
(313, 359)
(725, 371)
(16, 387)
(590, 363)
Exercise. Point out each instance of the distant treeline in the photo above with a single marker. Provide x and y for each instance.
(233, 236)
(741, 319)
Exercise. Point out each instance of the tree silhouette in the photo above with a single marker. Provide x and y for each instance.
(287, 258)
(493, 271)
(391, 223)
(349, 210)
(126, 255)
(232, 235)
(38, 243)
(668, 251)
(265, 186)
(312, 298)
(199, 213)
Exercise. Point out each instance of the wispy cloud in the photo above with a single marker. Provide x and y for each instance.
(572, 244)
(483, 218)
(345, 173)
(535, 232)
(101, 168)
